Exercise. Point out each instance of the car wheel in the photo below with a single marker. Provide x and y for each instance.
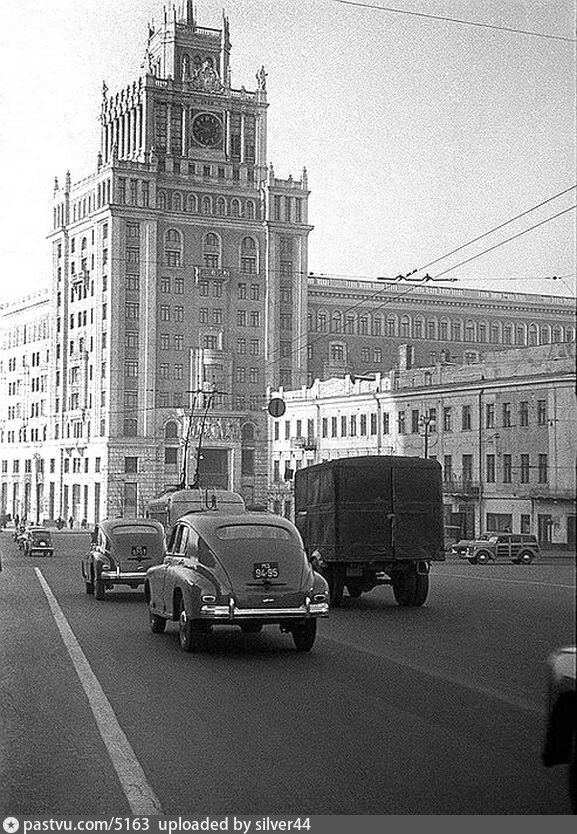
(89, 588)
(190, 633)
(526, 557)
(304, 636)
(251, 628)
(410, 588)
(483, 557)
(99, 587)
(157, 624)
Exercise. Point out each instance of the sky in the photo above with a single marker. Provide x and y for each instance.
(418, 134)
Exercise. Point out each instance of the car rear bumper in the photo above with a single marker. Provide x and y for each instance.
(230, 613)
(120, 578)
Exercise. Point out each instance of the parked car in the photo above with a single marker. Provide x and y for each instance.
(560, 743)
(519, 548)
(38, 540)
(247, 570)
(122, 550)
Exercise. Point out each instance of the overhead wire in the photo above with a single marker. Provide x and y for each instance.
(448, 19)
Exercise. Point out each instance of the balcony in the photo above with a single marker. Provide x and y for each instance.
(306, 443)
(460, 486)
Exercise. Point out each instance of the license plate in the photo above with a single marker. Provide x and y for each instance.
(265, 570)
(139, 551)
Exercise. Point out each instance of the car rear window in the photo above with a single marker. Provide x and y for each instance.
(136, 531)
(253, 531)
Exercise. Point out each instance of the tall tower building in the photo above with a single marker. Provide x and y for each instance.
(179, 271)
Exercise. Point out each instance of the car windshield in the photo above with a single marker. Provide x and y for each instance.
(40, 535)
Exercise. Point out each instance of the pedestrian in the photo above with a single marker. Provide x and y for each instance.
(71, 522)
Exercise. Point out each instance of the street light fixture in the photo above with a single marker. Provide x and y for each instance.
(427, 425)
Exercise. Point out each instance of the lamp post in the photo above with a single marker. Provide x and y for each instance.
(426, 425)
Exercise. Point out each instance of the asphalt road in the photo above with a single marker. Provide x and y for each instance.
(437, 710)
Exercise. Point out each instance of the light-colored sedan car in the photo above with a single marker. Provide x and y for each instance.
(560, 744)
(247, 570)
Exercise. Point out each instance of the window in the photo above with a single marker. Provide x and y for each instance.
(401, 426)
(507, 415)
(179, 313)
(524, 469)
(178, 341)
(524, 413)
(131, 464)
(132, 310)
(490, 469)
(164, 312)
(386, 423)
(165, 285)
(211, 249)
(490, 416)
(248, 253)
(130, 427)
(343, 426)
(448, 468)
(466, 418)
(171, 455)
(365, 354)
(255, 318)
(542, 412)
(467, 467)
(353, 425)
(447, 419)
(255, 347)
(241, 318)
(542, 469)
(173, 247)
(377, 355)
(337, 352)
(507, 469)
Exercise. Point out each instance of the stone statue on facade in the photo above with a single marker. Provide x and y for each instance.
(261, 78)
(206, 79)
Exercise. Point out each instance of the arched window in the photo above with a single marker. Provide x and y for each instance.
(322, 321)
(83, 244)
(192, 203)
(520, 334)
(171, 430)
(211, 250)
(177, 202)
(248, 254)
(431, 329)
(221, 206)
(363, 325)
(494, 333)
(482, 330)
(418, 328)
(391, 325)
(470, 331)
(337, 351)
(249, 210)
(456, 331)
(405, 327)
(377, 326)
(444, 330)
(532, 334)
(569, 334)
(247, 433)
(507, 333)
(206, 205)
(161, 200)
(336, 322)
(544, 334)
(235, 208)
(173, 247)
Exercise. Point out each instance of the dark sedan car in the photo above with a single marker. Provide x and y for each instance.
(121, 552)
(38, 540)
(247, 570)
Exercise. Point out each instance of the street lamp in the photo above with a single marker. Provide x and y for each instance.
(426, 426)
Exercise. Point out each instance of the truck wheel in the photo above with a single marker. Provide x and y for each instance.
(410, 588)
(354, 590)
(334, 574)
(304, 636)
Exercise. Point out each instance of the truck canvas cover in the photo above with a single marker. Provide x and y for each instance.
(371, 508)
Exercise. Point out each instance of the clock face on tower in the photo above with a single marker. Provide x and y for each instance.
(207, 130)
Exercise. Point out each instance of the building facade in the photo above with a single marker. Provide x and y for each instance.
(504, 430)
(358, 326)
(178, 276)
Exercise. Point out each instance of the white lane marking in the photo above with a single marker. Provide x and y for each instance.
(141, 797)
(508, 581)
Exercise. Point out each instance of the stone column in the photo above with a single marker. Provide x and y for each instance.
(242, 133)
(184, 129)
(168, 128)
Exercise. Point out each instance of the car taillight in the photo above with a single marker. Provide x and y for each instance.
(209, 598)
(319, 598)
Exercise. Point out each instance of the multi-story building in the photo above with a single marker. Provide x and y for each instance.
(358, 326)
(178, 271)
(24, 406)
(504, 431)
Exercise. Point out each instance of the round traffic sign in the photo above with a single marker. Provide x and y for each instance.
(276, 407)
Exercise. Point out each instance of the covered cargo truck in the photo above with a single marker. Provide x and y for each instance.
(374, 520)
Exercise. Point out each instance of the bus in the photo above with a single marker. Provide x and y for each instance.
(170, 506)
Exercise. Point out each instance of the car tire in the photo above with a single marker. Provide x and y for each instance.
(157, 624)
(89, 586)
(190, 633)
(251, 628)
(99, 587)
(304, 636)
(410, 588)
(526, 557)
(483, 557)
